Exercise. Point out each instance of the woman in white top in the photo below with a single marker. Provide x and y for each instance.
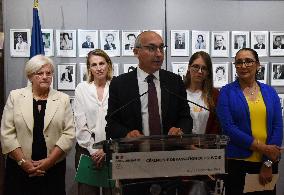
(199, 87)
(91, 103)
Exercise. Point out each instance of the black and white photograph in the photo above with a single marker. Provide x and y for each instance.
(83, 72)
(72, 99)
(1, 40)
(234, 73)
(129, 67)
(47, 38)
(261, 74)
(66, 43)
(277, 43)
(281, 97)
(128, 41)
(66, 76)
(180, 68)
(88, 40)
(259, 42)
(220, 74)
(20, 40)
(220, 44)
(200, 41)
(277, 74)
(240, 39)
(115, 69)
(179, 43)
(110, 42)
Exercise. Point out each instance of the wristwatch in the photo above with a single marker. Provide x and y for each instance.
(20, 162)
(268, 163)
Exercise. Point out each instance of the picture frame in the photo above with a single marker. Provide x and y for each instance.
(110, 42)
(262, 73)
(220, 74)
(200, 41)
(239, 40)
(83, 72)
(66, 76)
(276, 43)
(88, 40)
(220, 42)
(129, 67)
(277, 74)
(281, 98)
(115, 69)
(48, 41)
(128, 41)
(72, 102)
(259, 42)
(180, 68)
(66, 43)
(234, 73)
(179, 42)
(20, 42)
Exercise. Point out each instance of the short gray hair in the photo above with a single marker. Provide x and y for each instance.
(36, 63)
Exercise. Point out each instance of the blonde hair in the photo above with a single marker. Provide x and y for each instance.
(36, 63)
(99, 52)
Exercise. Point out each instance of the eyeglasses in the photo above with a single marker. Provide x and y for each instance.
(247, 62)
(154, 48)
(196, 68)
(41, 74)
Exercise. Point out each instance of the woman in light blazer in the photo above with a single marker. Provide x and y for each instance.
(37, 131)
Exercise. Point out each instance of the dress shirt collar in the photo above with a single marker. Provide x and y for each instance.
(141, 75)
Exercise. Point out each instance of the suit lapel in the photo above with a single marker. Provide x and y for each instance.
(27, 107)
(135, 93)
(51, 107)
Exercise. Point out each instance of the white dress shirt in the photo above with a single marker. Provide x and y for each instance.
(90, 114)
(143, 87)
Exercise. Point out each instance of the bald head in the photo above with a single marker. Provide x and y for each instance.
(146, 34)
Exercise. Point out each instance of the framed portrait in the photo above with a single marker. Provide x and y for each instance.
(240, 39)
(1, 40)
(277, 43)
(220, 74)
(72, 100)
(129, 67)
(88, 40)
(200, 41)
(47, 38)
(180, 68)
(110, 42)
(66, 76)
(128, 41)
(234, 73)
(159, 32)
(66, 43)
(115, 69)
(220, 44)
(261, 75)
(20, 41)
(259, 42)
(179, 43)
(281, 98)
(277, 74)
(83, 72)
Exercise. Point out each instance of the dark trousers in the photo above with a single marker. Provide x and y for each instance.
(17, 181)
(235, 180)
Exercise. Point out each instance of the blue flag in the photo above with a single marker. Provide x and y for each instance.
(37, 46)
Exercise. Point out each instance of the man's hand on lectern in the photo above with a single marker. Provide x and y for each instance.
(134, 133)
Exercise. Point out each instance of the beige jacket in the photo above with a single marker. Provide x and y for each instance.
(17, 122)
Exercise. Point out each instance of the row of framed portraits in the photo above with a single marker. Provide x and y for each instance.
(217, 43)
(66, 73)
(222, 70)
(66, 42)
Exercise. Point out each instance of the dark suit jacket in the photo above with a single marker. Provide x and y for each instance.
(179, 46)
(275, 46)
(256, 46)
(127, 47)
(107, 47)
(124, 88)
(86, 45)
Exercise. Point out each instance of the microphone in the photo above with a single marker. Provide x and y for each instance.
(125, 105)
(180, 97)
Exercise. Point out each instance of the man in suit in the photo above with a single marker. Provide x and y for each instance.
(278, 73)
(219, 42)
(133, 120)
(88, 43)
(259, 40)
(277, 44)
(179, 42)
(131, 41)
(240, 42)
